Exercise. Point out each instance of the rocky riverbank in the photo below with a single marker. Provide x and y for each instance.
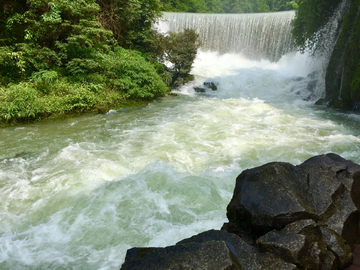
(343, 72)
(281, 216)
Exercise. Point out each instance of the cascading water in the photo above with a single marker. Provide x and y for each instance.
(255, 35)
(77, 193)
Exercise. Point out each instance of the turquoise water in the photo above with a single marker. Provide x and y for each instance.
(77, 193)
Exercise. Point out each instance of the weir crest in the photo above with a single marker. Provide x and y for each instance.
(256, 35)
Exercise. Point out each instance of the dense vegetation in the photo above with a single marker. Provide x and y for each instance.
(311, 16)
(72, 56)
(229, 6)
(342, 81)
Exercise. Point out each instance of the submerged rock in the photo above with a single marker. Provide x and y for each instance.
(199, 89)
(213, 86)
(281, 216)
(207, 85)
(311, 86)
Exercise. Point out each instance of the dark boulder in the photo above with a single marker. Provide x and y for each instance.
(213, 86)
(206, 86)
(248, 256)
(199, 89)
(270, 197)
(311, 86)
(214, 255)
(338, 246)
(281, 217)
(310, 246)
(272, 201)
(288, 243)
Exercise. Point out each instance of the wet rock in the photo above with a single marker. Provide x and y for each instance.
(288, 243)
(211, 255)
(213, 86)
(338, 246)
(284, 245)
(248, 256)
(308, 246)
(206, 86)
(335, 186)
(344, 170)
(270, 201)
(311, 86)
(270, 197)
(355, 189)
(298, 78)
(329, 262)
(199, 89)
(343, 211)
(313, 75)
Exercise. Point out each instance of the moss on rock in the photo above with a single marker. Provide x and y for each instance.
(343, 72)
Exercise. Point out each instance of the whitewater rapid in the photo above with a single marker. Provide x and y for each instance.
(77, 193)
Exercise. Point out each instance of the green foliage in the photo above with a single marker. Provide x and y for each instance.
(44, 80)
(201, 6)
(121, 74)
(50, 34)
(282, 5)
(129, 71)
(12, 66)
(342, 79)
(26, 102)
(245, 6)
(348, 43)
(60, 58)
(229, 6)
(180, 49)
(19, 101)
(311, 16)
(129, 20)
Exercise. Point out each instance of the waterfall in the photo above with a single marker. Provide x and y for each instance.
(256, 35)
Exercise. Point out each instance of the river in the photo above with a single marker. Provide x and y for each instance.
(77, 193)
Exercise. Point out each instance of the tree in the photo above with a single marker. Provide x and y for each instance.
(229, 6)
(215, 6)
(129, 20)
(65, 35)
(180, 50)
(199, 6)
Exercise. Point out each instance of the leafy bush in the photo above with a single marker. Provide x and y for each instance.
(228, 6)
(128, 71)
(180, 50)
(20, 101)
(130, 20)
(45, 35)
(122, 74)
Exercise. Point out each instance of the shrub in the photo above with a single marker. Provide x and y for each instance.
(19, 101)
(180, 50)
(128, 71)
